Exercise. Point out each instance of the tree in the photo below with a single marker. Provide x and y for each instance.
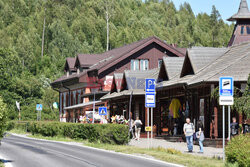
(3, 117)
(242, 104)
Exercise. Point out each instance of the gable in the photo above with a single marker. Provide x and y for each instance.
(187, 68)
(163, 76)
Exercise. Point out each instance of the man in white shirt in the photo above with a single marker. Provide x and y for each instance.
(189, 130)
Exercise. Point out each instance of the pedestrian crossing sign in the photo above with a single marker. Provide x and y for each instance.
(102, 110)
(39, 107)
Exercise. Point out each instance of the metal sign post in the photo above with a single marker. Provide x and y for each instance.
(223, 122)
(150, 103)
(229, 118)
(226, 98)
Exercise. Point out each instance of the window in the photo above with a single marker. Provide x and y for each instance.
(134, 64)
(159, 63)
(143, 64)
(74, 97)
(139, 64)
(79, 96)
(64, 102)
(242, 30)
(248, 30)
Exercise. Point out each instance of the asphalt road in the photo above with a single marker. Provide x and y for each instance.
(27, 152)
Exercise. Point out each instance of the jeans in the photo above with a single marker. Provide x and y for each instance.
(189, 140)
(201, 146)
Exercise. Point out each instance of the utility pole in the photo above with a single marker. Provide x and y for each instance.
(43, 32)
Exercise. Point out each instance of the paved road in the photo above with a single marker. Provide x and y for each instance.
(27, 152)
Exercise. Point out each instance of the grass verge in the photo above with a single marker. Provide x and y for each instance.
(168, 155)
(1, 164)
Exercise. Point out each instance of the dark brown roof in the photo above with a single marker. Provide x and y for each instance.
(243, 12)
(108, 59)
(119, 54)
(70, 64)
(87, 60)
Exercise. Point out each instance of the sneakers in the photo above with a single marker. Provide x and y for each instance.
(190, 151)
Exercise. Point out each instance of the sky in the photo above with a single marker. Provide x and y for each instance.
(227, 8)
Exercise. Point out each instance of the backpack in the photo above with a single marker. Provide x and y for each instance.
(234, 129)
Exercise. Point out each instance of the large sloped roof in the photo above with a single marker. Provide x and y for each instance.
(235, 63)
(199, 57)
(173, 66)
(243, 12)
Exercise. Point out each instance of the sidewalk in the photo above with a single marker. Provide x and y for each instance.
(181, 146)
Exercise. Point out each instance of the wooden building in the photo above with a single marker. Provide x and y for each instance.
(89, 76)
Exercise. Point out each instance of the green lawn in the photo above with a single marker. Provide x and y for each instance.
(168, 155)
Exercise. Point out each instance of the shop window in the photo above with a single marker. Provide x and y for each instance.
(242, 30)
(79, 96)
(74, 97)
(159, 63)
(248, 30)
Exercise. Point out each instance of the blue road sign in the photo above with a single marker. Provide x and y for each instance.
(150, 85)
(102, 110)
(150, 99)
(226, 86)
(39, 107)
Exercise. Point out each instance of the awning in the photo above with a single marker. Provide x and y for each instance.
(83, 105)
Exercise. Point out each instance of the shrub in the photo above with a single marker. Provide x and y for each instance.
(238, 150)
(104, 133)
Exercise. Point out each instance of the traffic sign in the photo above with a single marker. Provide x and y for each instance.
(102, 110)
(39, 107)
(226, 91)
(147, 128)
(150, 100)
(226, 86)
(150, 85)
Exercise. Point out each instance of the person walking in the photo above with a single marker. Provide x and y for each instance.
(234, 127)
(200, 135)
(137, 125)
(189, 130)
(245, 127)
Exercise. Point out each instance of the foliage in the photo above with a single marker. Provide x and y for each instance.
(73, 27)
(104, 133)
(241, 99)
(3, 117)
(242, 104)
(238, 150)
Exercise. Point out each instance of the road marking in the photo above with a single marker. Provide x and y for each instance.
(103, 150)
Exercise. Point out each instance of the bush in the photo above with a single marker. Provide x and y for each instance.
(238, 150)
(3, 117)
(104, 133)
